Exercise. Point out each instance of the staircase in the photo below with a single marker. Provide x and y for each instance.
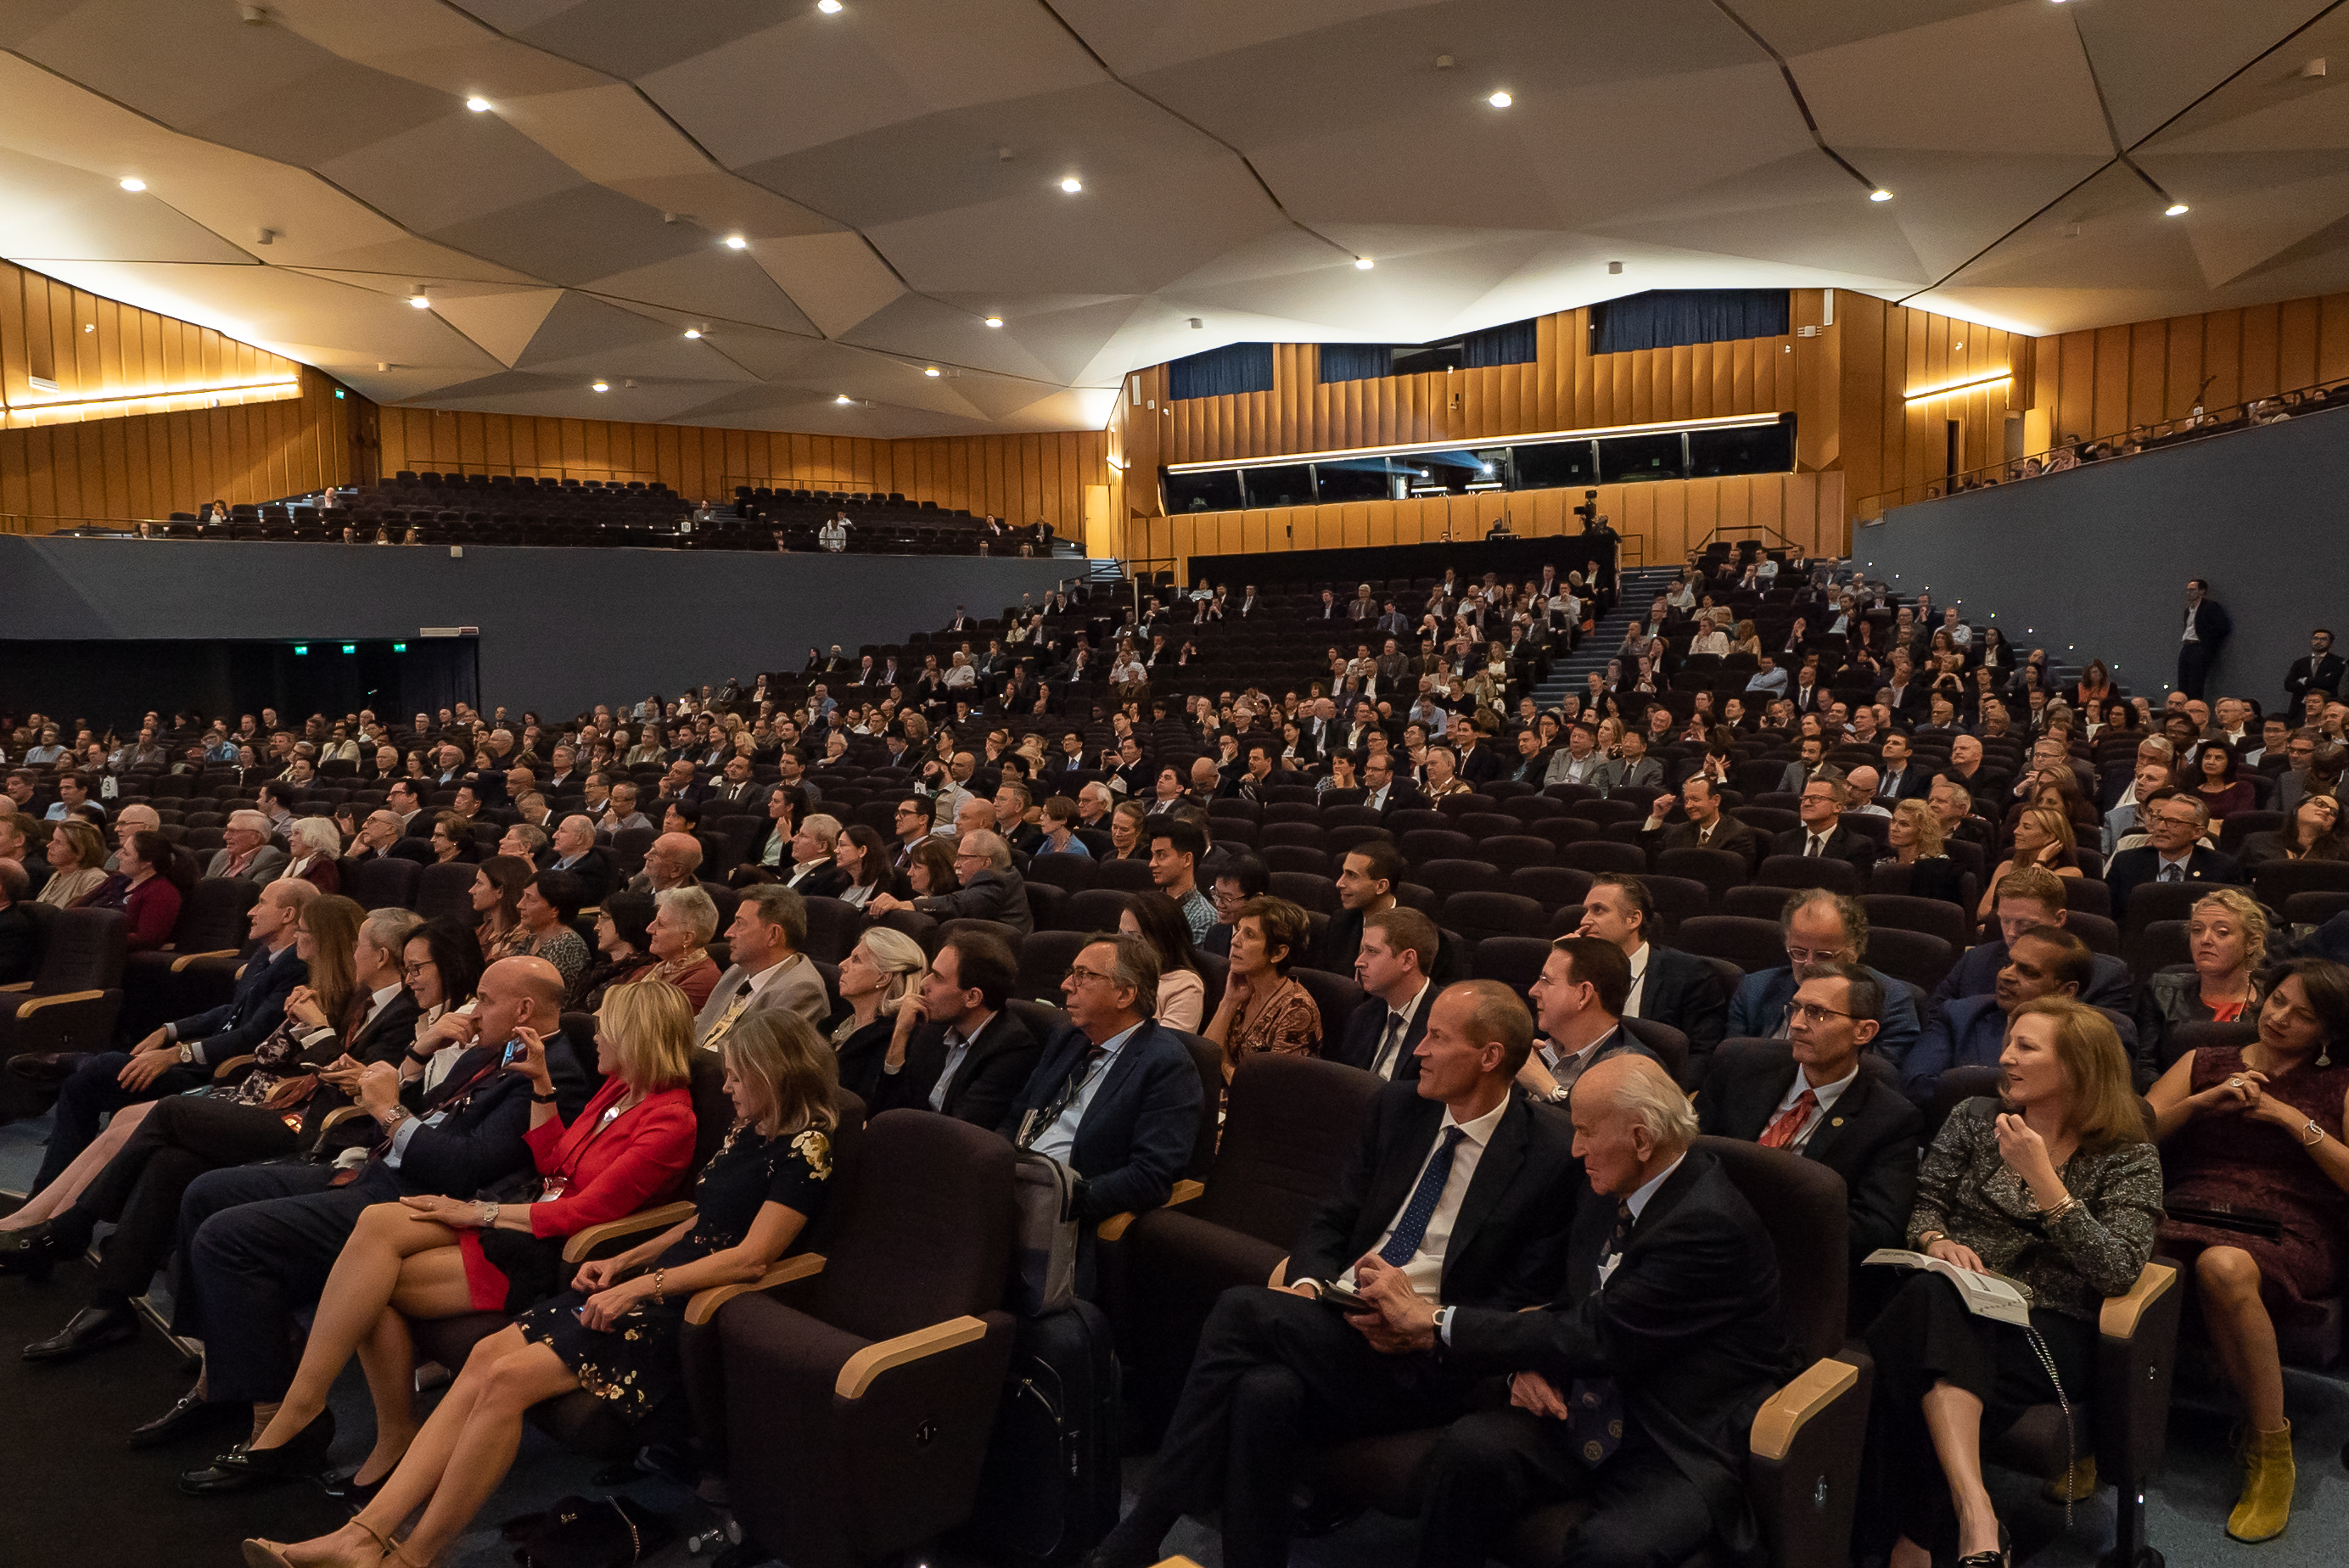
(1636, 589)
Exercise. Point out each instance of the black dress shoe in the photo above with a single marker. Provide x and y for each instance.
(92, 1328)
(47, 1066)
(32, 1252)
(244, 1468)
(345, 1488)
(192, 1413)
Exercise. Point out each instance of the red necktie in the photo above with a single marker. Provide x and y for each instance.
(1789, 1121)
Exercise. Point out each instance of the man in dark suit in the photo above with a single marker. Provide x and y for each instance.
(734, 788)
(1459, 1189)
(1705, 828)
(1115, 1096)
(2208, 626)
(257, 1242)
(1822, 835)
(1397, 949)
(1668, 987)
(2173, 821)
(1478, 763)
(1368, 875)
(1637, 1387)
(1814, 1095)
(1901, 778)
(2320, 670)
(1384, 792)
(1579, 1009)
(2027, 897)
(955, 1050)
(1820, 927)
(575, 849)
(1971, 1032)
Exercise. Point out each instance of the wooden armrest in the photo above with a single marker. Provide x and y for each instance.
(1783, 1416)
(37, 1003)
(1177, 1563)
(184, 959)
(862, 1370)
(19, 985)
(337, 1117)
(658, 1218)
(231, 1065)
(706, 1303)
(1279, 1276)
(1116, 1225)
(2121, 1314)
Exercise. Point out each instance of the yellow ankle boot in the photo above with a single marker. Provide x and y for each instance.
(2265, 1507)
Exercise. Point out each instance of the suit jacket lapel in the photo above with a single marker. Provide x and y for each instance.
(1397, 1171)
(1494, 1170)
(1837, 1124)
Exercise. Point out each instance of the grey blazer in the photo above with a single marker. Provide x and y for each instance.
(267, 861)
(1616, 773)
(798, 989)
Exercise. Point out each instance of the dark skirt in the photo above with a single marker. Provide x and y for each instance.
(506, 1271)
(633, 1366)
(1924, 1336)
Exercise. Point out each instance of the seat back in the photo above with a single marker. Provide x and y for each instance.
(1808, 870)
(82, 949)
(1916, 956)
(214, 915)
(383, 883)
(1953, 1089)
(1804, 1207)
(1290, 1125)
(833, 929)
(1753, 946)
(1336, 995)
(920, 1232)
(447, 891)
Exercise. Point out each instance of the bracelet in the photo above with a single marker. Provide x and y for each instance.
(537, 1099)
(2315, 1135)
(2060, 1210)
(659, 1275)
(1925, 1242)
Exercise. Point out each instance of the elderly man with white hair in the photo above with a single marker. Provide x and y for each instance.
(670, 863)
(246, 852)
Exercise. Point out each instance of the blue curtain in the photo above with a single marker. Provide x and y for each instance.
(1512, 344)
(1237, 367)
(1356, 361)
(1666, 318)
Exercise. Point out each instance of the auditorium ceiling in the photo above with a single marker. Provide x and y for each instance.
(767, 214)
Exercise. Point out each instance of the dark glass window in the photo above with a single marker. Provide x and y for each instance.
(1291, 484)
(1211, 490)
(1755, 450)
(1416, 361)
(1553, 464)
(1628, 460)
(1354, 478)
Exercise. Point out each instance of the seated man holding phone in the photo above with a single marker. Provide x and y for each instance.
(1461, 1185)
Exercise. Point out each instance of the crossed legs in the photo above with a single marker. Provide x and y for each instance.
(58, 1196)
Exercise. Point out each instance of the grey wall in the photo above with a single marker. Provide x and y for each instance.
(560, 629)
(2097, 558)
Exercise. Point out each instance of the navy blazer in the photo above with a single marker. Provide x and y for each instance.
(1975, 973)
(2132, 869)
(991, 1071)
(1683, 991)
(1357, 1043)
(255, 1009)
(1761, 1002)
(1971, 1032)
(484, 1112)
(1139, 1130)
(1870, 1137)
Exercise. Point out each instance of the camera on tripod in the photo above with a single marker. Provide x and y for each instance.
(1588, 510)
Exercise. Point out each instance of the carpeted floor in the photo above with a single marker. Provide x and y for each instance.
(72, 1496)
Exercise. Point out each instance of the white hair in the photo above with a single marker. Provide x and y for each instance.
(316, 835)
(1647, 1094)
(250, 820)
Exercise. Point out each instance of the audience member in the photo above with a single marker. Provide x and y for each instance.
(955, 1047)
(1821, 927)
(1397, 949)
(1264, 1007)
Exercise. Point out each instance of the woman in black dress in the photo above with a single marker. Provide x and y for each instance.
(615, 1333)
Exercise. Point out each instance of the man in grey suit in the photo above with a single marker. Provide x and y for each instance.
(769, 973)
(1632, 767)
(249, 855)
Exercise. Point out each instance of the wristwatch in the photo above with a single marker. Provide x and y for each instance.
(187, 1055)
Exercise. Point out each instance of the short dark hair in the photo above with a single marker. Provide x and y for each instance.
(1386, 862)
(1184, 836)
(1601, 964)
(1248, 871)
(983, 963)
(1865, 993)
(564, 890)
(2074, 964)
(1286, 928)
(1635, 893)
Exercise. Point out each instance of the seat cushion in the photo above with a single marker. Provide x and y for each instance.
(2314, 1342)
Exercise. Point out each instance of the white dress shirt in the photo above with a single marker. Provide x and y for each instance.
(1639, 959)
(1060, 1138)
(1636, 1203)
(1425, 1273)
(1397, 1026)
(1827, 1094)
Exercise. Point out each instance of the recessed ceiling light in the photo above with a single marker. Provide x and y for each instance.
(1500, 100)
(1363, 263)
(603, 386)
(737, 243)
(1880, 194)
(1073, 185)
(829, 7)
(478, 105)
(693, 332)
(842, 398)
(995, 321)
(2175, 210)
(932, 371)
(419, 300)
(134, 183)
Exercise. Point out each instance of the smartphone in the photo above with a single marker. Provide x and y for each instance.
(515, 1051)
(1344, 1300)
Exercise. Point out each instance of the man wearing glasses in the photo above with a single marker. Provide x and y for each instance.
(2174, 821)
(990, 890)
(1821, 927)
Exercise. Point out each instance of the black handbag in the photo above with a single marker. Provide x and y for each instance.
(588, 1532)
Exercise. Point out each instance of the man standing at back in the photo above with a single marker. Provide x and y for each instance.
(2208, 627)
(1459, 1189)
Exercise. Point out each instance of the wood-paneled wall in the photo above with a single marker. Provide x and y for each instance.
(1669, 518)
(1019, 477)
(1887, 352)
(2110, 379)
(1566, 387)
(118, 461)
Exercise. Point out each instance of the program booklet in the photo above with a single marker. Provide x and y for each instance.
(1985, 1295)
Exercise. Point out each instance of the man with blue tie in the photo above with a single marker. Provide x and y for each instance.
(1461, 1189)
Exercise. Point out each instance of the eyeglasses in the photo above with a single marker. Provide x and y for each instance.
(412, 970)
(1812, 1013)
(1077, 972)
(1798, 957)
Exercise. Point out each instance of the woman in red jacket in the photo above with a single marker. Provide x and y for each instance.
(150, 878)
(430, 1257)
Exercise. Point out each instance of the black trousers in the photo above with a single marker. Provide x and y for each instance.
(88, 1093)
(1274, 1372)
(1927, 1336)
(142, 1187)
(2193, 667)
(1495, 1465)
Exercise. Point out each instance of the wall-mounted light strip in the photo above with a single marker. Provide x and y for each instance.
(164, 394)
(1725, 422)
(1958, 386)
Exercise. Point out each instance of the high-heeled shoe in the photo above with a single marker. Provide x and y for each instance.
(32, 1252)
(2002, 1558)
(345, 1488)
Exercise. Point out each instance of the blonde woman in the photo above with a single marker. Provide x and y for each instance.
(2227, 938)
(616, 1332)
(2042, 838)
(880, 971)
(77, 863)
(1915, 837)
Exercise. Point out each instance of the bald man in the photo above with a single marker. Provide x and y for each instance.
(256, 1242)
(671, 863)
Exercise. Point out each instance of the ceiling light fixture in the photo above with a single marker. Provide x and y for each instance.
(134, 184)
(842, 398)
(693, 332)
(1500, 100)
(932, 372)
(418, 300)
(995, 321)
(2175, 210)
(478, 105)
(1073, 185)
(602, 387)
(829, 7)
(737, 243)
(1363, 263)
(1880, 194)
